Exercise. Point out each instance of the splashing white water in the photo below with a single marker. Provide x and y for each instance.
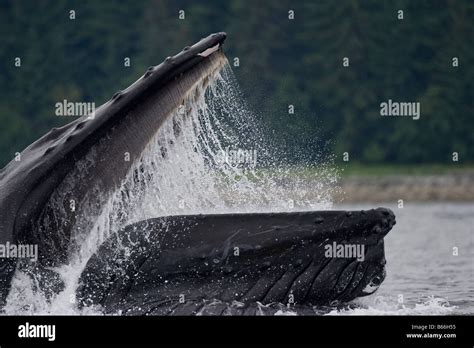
(210, 156)
(379, 305)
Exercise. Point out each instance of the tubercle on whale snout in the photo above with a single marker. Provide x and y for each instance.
(248, 258)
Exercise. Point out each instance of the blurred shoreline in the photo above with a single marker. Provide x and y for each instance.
(455, 187)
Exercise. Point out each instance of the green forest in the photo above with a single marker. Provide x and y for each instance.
(335, 62)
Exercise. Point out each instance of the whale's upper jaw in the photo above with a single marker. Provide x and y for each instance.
(46, 152)
(27, 185)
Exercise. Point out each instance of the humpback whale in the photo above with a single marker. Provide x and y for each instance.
(172, 264)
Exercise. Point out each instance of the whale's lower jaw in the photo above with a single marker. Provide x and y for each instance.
(182, 264)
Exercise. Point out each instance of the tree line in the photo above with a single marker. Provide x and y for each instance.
(315, 72)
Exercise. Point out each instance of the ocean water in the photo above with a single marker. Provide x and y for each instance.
(424, 276)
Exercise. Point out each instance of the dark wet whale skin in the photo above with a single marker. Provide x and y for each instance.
(176, 265)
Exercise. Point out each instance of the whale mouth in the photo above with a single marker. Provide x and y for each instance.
(209, 51)
(79, 195)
